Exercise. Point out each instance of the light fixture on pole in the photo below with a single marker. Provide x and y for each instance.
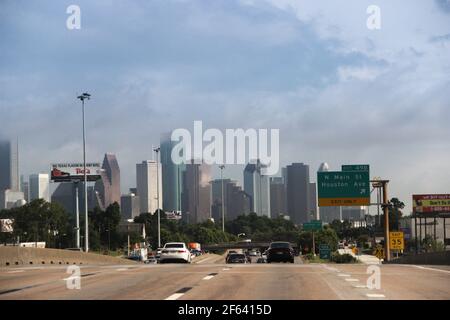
(157, 149)
(85, 96)
(223, 203)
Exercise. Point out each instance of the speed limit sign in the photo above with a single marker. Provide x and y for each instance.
(396, 240)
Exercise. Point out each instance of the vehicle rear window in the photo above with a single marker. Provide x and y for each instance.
(280, 245)
(174, 245)
(237, 256)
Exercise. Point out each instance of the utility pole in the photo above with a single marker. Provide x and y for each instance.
(223, 204)
(157, 149)
(85, 96)
(386, 220)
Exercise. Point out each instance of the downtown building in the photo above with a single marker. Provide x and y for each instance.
(236, 201)
(277, 197)
(107, 189)
(149, 186)
(196, 193)
(300, 194)
(39, 186)
(172, 176)
(129, 206)
(257, 187)
(10, 194)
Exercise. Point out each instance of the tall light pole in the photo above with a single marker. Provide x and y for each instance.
(157, 149)
(85, 96)
(223, 203)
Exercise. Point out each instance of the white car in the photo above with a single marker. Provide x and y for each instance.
(175, 252)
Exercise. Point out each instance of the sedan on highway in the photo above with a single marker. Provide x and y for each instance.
(280, 252)
(237, 258)
(175, 252)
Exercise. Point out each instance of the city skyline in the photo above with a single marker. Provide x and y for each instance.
(306, 69)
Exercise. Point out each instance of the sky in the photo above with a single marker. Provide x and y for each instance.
(337, 91)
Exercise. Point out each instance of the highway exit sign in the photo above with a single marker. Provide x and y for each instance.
(343, 188)
(313, 225)
(355, 167)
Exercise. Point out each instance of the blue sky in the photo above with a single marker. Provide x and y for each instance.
(337, 91)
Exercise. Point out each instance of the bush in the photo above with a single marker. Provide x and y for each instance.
(343, 258)
(308, 256)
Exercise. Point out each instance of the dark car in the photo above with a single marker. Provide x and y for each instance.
(280, 252)
(236, 258)
(248, 257)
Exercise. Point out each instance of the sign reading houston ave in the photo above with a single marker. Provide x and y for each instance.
(344, 188)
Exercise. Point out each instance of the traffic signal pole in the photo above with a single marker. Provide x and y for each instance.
(386, 221)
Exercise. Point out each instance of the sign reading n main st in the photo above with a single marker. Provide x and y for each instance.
(343, 188)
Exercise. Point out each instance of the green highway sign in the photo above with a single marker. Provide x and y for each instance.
(324, 251)
(313, 225)
(355, 167)
(343, 188)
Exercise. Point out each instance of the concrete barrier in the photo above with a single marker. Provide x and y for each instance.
(430, 258)
(20, 256)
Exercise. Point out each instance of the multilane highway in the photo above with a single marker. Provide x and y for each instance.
(209, 278)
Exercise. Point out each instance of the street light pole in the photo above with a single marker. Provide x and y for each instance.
(157, 149)
(223, 203)
(85, 96)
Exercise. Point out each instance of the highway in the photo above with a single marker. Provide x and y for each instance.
(211, 279)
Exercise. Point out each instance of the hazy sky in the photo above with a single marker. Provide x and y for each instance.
(338, 92)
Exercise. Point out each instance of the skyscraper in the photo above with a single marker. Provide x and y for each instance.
(108, 187)
(147, 186)
(297, 190)
(277, 197)
(236, 201)
(172, 175)
(9, 165)
(196, 194)
(257, 186)
(129, 206)
(39, 186)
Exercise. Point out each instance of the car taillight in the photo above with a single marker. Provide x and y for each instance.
(181, 251)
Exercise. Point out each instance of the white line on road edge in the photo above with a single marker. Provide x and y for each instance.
(122, 269)
(16, 271)
(433, 269)
(351, 280)
(208, 277)
(375, 295)
(226, 269)
(174, 296)
(207, 259)
(360, 286)
(343, 275)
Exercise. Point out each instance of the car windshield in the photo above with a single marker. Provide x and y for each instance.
(174, 245)
(280, 245)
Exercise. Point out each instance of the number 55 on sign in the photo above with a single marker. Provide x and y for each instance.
(396, 240)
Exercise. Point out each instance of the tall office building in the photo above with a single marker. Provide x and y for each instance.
(108, 187)
(277, 197)
(172, 175)
(328, 214)
(147, 177)
(129, 206)
(236, 201)
(25, 188)
(297, 191)
(257, 186)
(196, 193)
(9, 165)
(39, 186)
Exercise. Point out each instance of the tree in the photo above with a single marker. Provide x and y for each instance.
(395, 214)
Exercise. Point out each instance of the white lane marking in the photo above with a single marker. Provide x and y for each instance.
(122, 269)
(360, 286)
(433, 269)
(351, 280)
(204, 260)
(343, 275)
(208, 277)
(15, 271)
(375, 295)
(226, 269)
(174, 296)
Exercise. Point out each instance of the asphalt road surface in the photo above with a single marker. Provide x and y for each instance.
(212, 279)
